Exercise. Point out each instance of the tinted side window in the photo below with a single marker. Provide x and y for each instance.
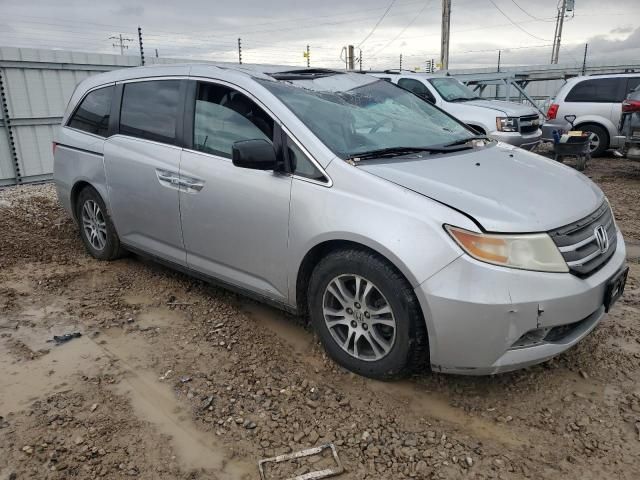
(224, 116)
(633, 83)
(598, 90)
(301, 164)
(417, 87)
(150, 110)
(93, 113)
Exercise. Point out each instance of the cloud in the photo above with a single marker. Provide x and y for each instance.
(625, 29)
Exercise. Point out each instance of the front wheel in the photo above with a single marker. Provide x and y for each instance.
(366, 315)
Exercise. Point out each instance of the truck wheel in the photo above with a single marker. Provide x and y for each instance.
(366, 315)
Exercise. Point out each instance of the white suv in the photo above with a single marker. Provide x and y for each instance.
(507, 122)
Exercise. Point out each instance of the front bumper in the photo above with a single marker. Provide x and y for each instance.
(477, 313)
(523, 140)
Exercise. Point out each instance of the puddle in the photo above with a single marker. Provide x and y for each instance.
(423, 403)
(22, 382)
(159, 317)
(156, 403)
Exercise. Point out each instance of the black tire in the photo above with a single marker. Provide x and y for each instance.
(409, 350)
(601, 134)
(112, 248)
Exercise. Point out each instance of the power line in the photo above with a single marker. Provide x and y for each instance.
(529, 15)
(405, 28)
(377, 23)
(516, 25)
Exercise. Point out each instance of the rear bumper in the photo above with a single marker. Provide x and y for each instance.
(477, 314)
(527, 141)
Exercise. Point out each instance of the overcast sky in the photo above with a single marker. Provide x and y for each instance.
(278, 31)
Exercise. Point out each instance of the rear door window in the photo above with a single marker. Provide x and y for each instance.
(597, 90)
(633, 83)
(417, 87)
(150, 110)
(224, 116)
(92, 115)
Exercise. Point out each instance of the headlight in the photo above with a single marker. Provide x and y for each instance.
(528, 252)
(507, 124)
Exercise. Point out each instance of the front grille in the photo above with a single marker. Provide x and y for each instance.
(579, 244)
(529, 123)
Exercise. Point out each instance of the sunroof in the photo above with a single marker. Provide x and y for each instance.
(307, 73)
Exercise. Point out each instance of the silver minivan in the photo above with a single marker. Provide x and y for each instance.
(596, 102)
(408, 239)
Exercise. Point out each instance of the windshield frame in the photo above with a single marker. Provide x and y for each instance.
(263, 82)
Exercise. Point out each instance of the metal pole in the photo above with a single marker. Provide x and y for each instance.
(499, 55)
(141, 49)
(555, 54)
(308, 57)
(239, 51)
(157, 53)
(360, 60)
(350, 58)
(445, 29)
(11, 141)
(400, 62)
(584, 60)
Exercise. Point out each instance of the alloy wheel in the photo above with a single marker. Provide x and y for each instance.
(94, 224)
(359, 317)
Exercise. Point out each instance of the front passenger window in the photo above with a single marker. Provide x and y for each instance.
(224, 116)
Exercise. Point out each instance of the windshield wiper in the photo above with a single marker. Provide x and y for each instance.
(397, 151)
(465, 140)
(463, 99)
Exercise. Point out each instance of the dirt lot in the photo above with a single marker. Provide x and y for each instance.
(172, 378)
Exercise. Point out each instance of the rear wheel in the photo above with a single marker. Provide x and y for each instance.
(96, 228)
(366, 315)
(599, 139)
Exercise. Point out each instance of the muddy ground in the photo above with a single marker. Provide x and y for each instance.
(175, 379)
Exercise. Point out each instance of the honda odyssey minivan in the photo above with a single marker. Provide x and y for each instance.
(408, 239)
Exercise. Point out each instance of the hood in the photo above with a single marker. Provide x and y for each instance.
(509, 109)
(505, 189)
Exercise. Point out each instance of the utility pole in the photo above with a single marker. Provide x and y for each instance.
(564, 6)
(157, 53)
(445, 29)
(350, 58)
(499, 55)
(141, 48)
(239, 51)
(308, 55)
(121, 43)
(400, 62)
(584, 60)
(360, 60)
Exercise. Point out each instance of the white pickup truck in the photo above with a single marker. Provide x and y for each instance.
(507, 122)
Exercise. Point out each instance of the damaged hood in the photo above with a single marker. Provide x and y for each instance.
(505, 189)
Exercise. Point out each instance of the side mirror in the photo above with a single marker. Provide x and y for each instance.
(256, 154)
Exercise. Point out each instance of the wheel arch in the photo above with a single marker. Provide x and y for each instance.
(605, 124)
(323, 248)
(80, 185)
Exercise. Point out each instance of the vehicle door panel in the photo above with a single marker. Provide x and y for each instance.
(145, 208)
(235, 226)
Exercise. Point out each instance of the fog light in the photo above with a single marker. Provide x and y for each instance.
(531, 338)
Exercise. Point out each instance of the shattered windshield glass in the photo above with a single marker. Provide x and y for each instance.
(354, 113)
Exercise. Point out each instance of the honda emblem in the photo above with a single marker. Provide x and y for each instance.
(602, 239)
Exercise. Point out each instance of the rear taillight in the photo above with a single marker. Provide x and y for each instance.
(631, 106)
(53, 147)
(553, 111)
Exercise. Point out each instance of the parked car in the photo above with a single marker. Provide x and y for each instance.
(508, 122)
(596, 101)
(406, 237)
